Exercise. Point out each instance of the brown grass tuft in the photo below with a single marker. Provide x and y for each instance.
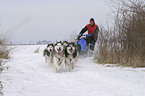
(124, 43)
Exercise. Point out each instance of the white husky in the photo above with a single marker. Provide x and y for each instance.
(48, 54)
(58, 56)
(70, 56)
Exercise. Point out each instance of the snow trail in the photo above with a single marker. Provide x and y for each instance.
(29, 75)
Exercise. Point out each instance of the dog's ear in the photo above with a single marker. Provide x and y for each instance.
(73, 44)
(51, 45)
(67, 45)
(55, 44)
(66, 42)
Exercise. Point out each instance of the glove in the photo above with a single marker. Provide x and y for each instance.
(89, 35)
(80, 34)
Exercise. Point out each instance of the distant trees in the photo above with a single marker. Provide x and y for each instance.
(125, 42)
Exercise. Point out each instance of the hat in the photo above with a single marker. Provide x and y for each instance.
(92, 20)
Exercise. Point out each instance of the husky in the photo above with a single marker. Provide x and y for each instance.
(45, 52)
(71, 55)
(58, 56)
(48, 53)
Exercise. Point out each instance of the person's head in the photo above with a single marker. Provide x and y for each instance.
(92, 21)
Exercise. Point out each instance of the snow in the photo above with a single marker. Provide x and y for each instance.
(29, 75)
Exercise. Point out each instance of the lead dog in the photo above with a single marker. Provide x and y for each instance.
(48, 53)
(58, 56)
(70, 56)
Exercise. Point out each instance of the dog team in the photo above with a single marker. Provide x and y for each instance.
(60, 54)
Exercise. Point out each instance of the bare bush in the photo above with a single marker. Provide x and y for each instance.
(124, 44)
(73, 36)
(4, 50)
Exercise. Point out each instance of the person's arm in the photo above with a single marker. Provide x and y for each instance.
(97, 30)
(96, 33)
(84, 30)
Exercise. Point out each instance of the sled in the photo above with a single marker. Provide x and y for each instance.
(82, 44)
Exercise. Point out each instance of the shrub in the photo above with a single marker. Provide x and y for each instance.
(124, 43)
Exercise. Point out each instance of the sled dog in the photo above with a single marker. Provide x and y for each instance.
(48, 53)
(58, 56)
(70, 56)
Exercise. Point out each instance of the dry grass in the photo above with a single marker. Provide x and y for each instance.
(4, 56)
(37, 50)
(124, 43)
(4, 50)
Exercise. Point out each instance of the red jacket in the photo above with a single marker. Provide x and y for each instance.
(91, 29)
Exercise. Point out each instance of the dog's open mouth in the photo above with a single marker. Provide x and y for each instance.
(58, 52)
(72, 51)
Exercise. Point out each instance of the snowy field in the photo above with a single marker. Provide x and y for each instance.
(29, 75)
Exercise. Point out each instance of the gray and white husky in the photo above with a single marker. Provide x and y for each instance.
(71, 56)
(48, 53)
(58, 56)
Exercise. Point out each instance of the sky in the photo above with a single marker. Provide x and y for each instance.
(33, 20)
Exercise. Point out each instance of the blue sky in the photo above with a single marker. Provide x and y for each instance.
(33, 20)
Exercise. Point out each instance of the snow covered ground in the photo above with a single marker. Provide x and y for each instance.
(29, 75)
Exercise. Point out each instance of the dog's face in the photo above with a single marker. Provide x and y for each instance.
(50, 47)
(65, 43)
(58, 48)
(70, 48)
